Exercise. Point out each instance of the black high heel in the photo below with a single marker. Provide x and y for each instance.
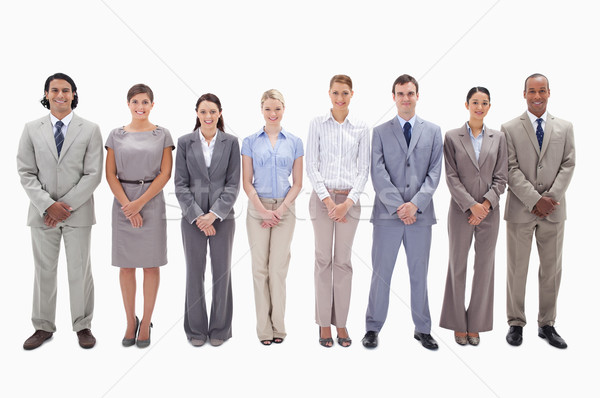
(130, 342)
(145, 343)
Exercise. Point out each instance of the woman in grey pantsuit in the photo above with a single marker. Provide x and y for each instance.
(207, 181)
(476, 173)
(138, 165)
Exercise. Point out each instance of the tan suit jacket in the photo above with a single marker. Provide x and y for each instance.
(70, 178)
(533, 173)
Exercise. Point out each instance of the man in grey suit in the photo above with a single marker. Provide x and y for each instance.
(541, 160)
(405, 168)
(60, 164)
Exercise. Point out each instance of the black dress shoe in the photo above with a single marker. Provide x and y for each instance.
(426, 340)
(548, 332)
(370, 340)
(515, 335)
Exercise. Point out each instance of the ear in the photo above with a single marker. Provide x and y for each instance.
(467, 105)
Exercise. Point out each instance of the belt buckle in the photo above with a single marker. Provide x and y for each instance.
(141, 182)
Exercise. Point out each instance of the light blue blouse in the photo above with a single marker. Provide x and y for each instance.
(272, 166)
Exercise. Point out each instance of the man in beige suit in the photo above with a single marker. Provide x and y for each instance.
(541, 160)
(60, 165)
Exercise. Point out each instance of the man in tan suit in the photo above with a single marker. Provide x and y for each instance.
(60, 165)
(541, 160)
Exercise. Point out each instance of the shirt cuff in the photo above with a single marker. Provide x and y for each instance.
(218, 216)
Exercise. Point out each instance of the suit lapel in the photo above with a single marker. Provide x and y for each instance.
(72, 132)
(547, 134)
(217, 151)
(48, 136)
(486, 145)
(465, 140)
(417, 130)
(398, 133)
(199, 153)
(530, 132)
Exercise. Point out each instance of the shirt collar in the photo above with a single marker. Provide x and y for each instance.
(66, 120)
(282, 132)
(329, 116)
(203, 140)
(534, 118)
(411, 121)
(471, 132)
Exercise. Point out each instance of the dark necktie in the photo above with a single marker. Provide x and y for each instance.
(539, 132)
(58, 136)
(407, 129)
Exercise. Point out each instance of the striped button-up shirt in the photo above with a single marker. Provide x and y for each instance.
(338, 155)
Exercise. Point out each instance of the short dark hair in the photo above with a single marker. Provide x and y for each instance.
(60, 76)
(215, 100)
(140, 89)
(403, 79)
(533, 77)
(478, 89)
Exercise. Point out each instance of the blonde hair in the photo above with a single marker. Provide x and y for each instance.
(272, 94)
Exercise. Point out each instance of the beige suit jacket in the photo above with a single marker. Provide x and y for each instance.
(70, 178)
(469, 180)
(533, 173)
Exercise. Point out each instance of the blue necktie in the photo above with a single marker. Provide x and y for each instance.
(539, 132)
(407, 129)
(58, 136)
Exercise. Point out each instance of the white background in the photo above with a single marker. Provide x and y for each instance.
(238, 50)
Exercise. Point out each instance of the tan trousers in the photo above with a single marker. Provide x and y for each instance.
(333, 267)
(549, 239)
(270, 248)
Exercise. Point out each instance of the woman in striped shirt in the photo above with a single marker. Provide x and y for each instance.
(337, 165)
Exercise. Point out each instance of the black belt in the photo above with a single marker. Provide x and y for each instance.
(137, 182)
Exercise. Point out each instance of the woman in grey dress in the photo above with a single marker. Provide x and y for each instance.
(138, 165)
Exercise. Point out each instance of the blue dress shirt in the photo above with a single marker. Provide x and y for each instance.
(272, 166)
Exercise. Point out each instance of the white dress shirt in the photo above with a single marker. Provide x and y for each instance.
(338, 155)
(534, 119)
(476, 141)
(208, 147)
(66, 120)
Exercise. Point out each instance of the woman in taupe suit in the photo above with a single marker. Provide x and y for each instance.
(207, 182)
(476, 174)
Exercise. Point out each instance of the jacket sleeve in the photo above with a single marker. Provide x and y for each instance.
(223, 205)
(386, 191)
(190, 210)
(423, 197)
(459, 193)
(500, 176)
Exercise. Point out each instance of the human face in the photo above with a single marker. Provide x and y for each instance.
(340, 94)
(60, 96)
(406, 97)
(140, 106)
(536, 94)
(478, 106)
(208, 114)
(272, 111)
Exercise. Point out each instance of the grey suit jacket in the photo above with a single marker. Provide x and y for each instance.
(533, 173)
(200, 189)
(70, 178)
(403, 174)
(469, 180)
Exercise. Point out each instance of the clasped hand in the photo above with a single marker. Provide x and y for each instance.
(57, 212)
(205, 223)
(544, 207)
(407, 213)
(478, 212)
(271, 217)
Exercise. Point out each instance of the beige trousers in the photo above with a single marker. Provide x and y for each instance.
(270, 248)
(333, 266)
(549, 239)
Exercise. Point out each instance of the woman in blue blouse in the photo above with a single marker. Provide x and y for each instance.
(268, 158)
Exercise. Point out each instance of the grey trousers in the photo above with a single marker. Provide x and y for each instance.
(195, 245)
(386, 244)
(46, 248)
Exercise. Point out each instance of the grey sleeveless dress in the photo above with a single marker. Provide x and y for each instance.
(138, 157)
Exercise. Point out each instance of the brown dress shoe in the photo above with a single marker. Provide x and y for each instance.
(86, 338)
(37, 339)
